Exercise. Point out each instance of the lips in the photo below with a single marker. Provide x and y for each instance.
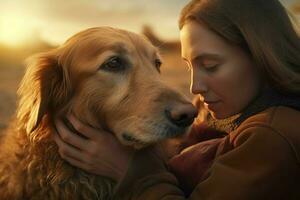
(210, 102)
(212, 105)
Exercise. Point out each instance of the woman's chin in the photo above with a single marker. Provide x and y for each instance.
(219, 115)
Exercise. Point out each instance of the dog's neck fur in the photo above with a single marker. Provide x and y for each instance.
(31, 168)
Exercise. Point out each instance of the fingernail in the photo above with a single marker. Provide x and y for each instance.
(70, 116)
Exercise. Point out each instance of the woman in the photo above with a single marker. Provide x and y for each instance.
(244, 57)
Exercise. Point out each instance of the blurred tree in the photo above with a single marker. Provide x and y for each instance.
(162, 44)
(296, 8)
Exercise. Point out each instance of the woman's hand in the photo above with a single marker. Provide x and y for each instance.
(99, 152)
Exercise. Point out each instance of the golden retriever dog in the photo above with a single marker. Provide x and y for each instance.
(107, 78)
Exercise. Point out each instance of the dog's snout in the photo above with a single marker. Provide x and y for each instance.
(182, 115)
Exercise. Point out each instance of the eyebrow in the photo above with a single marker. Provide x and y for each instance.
(205, 56)
(119, 48)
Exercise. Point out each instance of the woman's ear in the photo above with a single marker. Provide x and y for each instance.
(44, 87)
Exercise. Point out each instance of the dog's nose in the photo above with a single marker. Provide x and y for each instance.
(182, 115)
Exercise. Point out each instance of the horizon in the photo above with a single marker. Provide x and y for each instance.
(54, 21)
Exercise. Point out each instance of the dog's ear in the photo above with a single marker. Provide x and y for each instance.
(45, 86)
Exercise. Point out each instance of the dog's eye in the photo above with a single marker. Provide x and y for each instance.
(114, 63)
(158, 64)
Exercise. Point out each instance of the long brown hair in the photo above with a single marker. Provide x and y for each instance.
(263, 28)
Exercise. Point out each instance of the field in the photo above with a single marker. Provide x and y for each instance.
(173, 70)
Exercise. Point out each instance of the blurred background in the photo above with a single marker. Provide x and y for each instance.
(30, 26)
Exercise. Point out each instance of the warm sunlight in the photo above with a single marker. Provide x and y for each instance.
(14, 30)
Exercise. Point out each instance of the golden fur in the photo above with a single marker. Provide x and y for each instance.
(70, 79)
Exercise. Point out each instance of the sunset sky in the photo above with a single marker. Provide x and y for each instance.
(56, 20)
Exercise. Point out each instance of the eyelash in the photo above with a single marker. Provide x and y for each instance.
(189, 67)
(212, 68)
(208, 69)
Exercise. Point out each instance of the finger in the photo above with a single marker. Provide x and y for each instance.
(78, 163)
(85, 130)
(69, 137)
(66, 150)
(89, 168)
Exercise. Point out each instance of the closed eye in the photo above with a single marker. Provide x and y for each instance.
(187, 64)
(211, 68)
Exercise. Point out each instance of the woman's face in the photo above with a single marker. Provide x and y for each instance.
(222, 74)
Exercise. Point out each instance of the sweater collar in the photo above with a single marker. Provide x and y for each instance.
(266, 99)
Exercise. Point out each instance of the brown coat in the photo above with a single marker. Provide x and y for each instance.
(258, 161)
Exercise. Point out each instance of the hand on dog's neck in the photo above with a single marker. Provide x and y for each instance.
(87, 121)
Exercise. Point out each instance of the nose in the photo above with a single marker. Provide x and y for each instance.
(198, 83)
(182, 115)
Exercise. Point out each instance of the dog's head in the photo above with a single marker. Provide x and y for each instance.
(107, 78)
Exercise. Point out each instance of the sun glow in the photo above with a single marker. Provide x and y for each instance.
(14, 30)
